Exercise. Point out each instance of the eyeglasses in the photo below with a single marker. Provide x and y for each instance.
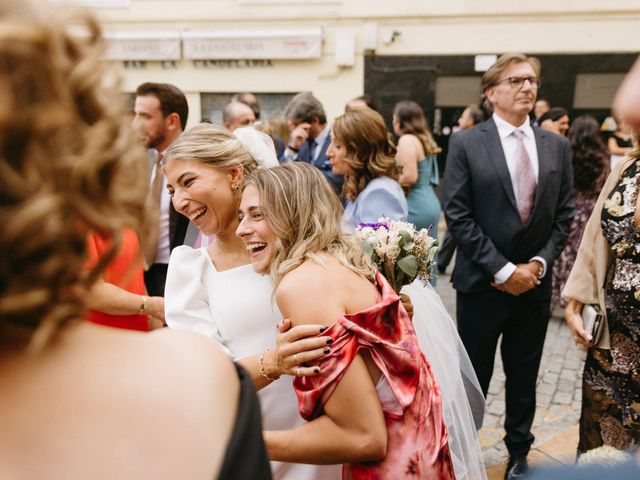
(518, 82)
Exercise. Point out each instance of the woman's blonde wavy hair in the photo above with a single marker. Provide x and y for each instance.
(370, 150)
(69, 165)
(212, 145)
(304, 213)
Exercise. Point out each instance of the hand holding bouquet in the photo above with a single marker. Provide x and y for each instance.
(399, 251)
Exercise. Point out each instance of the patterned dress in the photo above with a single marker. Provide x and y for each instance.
(417, 443)
(585, 202)
(611, 380)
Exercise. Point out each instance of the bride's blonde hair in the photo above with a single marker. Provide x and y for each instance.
(304, 213)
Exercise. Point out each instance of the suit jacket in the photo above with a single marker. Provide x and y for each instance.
(178, 223)
(322, 162)
(586, 281)
(481, 210)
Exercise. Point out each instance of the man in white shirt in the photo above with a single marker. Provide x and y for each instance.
(161, 112)
(508, 205)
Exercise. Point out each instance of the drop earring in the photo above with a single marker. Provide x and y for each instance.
(237, 192)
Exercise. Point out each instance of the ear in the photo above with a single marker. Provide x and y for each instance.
(173, 120)
(237, 174)
(490, 94)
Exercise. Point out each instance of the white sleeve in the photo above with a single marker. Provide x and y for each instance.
(187, 299)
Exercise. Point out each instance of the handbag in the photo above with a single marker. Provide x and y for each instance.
(593, 319)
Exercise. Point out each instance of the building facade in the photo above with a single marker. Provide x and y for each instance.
(430, 51)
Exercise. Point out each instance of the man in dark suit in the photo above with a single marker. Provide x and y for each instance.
(161, 112)
(509, 206)
(310, 136)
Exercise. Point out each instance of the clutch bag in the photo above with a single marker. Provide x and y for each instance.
(593, 322)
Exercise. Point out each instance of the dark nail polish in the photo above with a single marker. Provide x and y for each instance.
(329, 341)
(322, 329)
(316, 370)
(327, 350)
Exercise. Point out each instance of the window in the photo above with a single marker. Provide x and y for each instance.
(457, 91)
(271, 104)
(596, 90)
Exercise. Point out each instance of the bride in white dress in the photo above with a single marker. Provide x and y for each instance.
(214, 291)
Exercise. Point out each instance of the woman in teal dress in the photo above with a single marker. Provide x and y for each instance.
(417, 151)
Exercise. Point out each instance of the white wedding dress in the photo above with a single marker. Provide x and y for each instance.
(462, 400)
(234, 307)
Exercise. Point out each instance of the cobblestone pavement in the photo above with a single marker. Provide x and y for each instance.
(558, 392)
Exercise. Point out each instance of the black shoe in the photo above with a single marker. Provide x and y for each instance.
(516, 468)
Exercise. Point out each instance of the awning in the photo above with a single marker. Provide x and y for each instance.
(147, 45)
(282, 43)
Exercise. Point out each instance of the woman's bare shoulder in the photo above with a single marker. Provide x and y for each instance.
(409, 140)
(312, 293)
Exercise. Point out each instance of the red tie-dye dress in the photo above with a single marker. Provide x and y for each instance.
(410, 397)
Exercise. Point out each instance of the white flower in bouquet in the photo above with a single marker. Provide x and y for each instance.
(399, 251)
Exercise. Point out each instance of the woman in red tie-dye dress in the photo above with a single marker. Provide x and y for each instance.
(372, 402)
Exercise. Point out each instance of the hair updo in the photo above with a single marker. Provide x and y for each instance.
(212, 145)
(69, 165)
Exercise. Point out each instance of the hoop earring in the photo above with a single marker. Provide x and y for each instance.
(237, 192)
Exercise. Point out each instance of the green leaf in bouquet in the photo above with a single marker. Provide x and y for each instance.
(407, 247)
(408, 265)
(367, 247)
(405, 237)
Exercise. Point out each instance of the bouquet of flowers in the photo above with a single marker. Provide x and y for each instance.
(399, 251)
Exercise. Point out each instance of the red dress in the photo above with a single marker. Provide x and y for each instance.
(417, 445)
(125, 271)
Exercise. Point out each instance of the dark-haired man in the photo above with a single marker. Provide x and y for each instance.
(310, 136)
(161, 112)
(509, 206)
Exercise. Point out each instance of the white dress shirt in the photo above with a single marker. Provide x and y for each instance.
(509, 146)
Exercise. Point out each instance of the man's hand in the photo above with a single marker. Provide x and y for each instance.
(299, 135)
(523, 279)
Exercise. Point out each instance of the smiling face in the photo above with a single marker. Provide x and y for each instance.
(337, 153)
(510, 103)
(563, 124)
(254, 230)
(204, 194)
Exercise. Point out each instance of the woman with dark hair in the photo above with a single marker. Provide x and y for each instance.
(417, 151)
(555, 120)
(590, 170)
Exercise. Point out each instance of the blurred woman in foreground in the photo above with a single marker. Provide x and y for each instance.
(71, 390)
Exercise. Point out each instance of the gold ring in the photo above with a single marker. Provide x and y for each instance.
(297, 371)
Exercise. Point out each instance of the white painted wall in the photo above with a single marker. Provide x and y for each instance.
(427, 27)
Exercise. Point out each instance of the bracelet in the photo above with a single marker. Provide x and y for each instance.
(143, 305)
(261, 368)
(293, 149)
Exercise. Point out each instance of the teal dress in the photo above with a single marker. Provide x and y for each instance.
(424, 206)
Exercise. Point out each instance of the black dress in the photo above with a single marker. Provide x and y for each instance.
(611, 380)
(246, 456)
